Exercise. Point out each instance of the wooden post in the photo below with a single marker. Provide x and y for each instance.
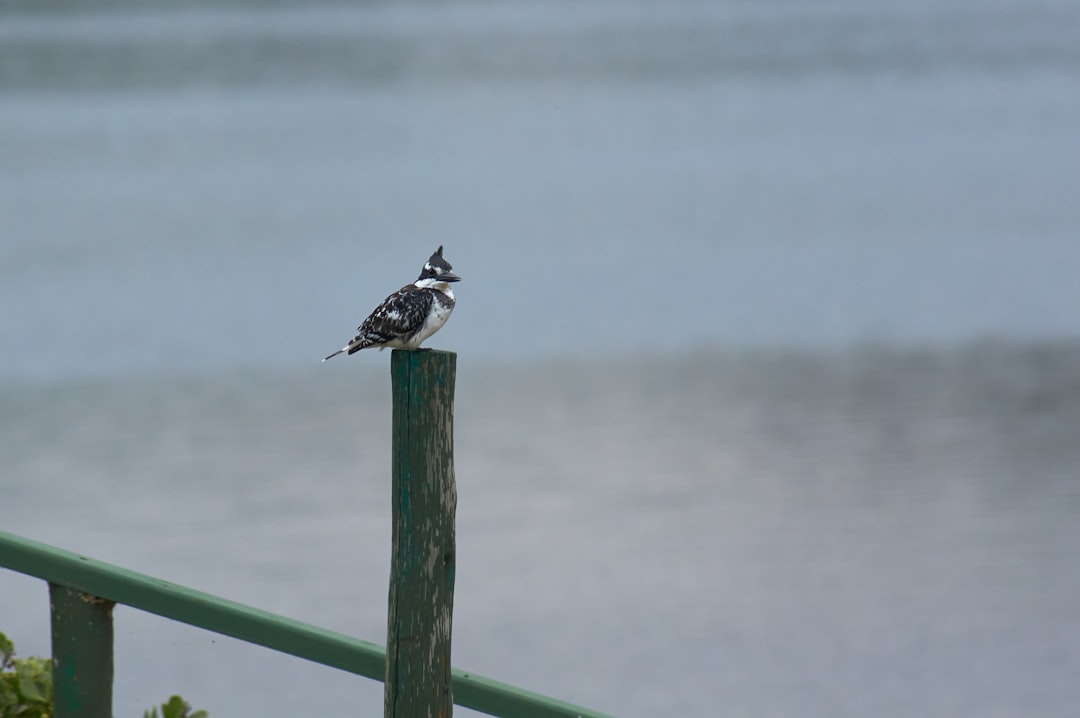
(82, 650)
(418, 678)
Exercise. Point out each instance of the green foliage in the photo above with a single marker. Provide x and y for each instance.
(26, 689)
(175, 708)
(25, 684)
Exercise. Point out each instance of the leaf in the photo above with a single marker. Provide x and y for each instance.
(31, 690)
(7, 650)
(199, 714)
(175, 708)
(7, 697)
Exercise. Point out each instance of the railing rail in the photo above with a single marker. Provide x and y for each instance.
(100, 580)
(416, 674)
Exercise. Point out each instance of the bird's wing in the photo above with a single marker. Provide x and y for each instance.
(400, 314)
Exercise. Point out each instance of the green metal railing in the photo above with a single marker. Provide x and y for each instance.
(82, 619)
(417, 674)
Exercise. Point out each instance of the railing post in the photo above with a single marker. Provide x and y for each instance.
(82, 651)
(418, 672)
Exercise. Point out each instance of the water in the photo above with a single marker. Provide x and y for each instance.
(220, 187)
(768, 533)
(768, 340)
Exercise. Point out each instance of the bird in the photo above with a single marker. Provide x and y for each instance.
(411, 314)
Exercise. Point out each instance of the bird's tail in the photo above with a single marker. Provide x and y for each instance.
(339, 351)
(360, 341)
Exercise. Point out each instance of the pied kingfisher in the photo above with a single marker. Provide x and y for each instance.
(411, 314)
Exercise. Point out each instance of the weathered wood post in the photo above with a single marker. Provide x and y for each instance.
(82, 652)
(418, 681)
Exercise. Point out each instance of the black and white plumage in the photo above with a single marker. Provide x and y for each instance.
(411, 314)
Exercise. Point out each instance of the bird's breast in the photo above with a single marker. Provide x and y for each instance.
(437, 316)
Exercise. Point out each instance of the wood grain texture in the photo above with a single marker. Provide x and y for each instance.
(82, 651)
(424, 502)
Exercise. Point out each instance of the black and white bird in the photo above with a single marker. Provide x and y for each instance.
(411, 314)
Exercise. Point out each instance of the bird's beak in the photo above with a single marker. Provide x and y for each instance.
(449, 277)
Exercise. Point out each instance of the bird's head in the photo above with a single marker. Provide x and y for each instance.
(437, 269)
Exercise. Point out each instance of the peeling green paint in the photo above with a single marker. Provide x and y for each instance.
(418, 675)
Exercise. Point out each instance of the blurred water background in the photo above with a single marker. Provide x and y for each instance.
(769, 392)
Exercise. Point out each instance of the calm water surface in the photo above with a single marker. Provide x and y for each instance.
(233, 186)
(730, 433)
(880, 531)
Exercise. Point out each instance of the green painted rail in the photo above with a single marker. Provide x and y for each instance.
(101, 583)
(415, 667)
